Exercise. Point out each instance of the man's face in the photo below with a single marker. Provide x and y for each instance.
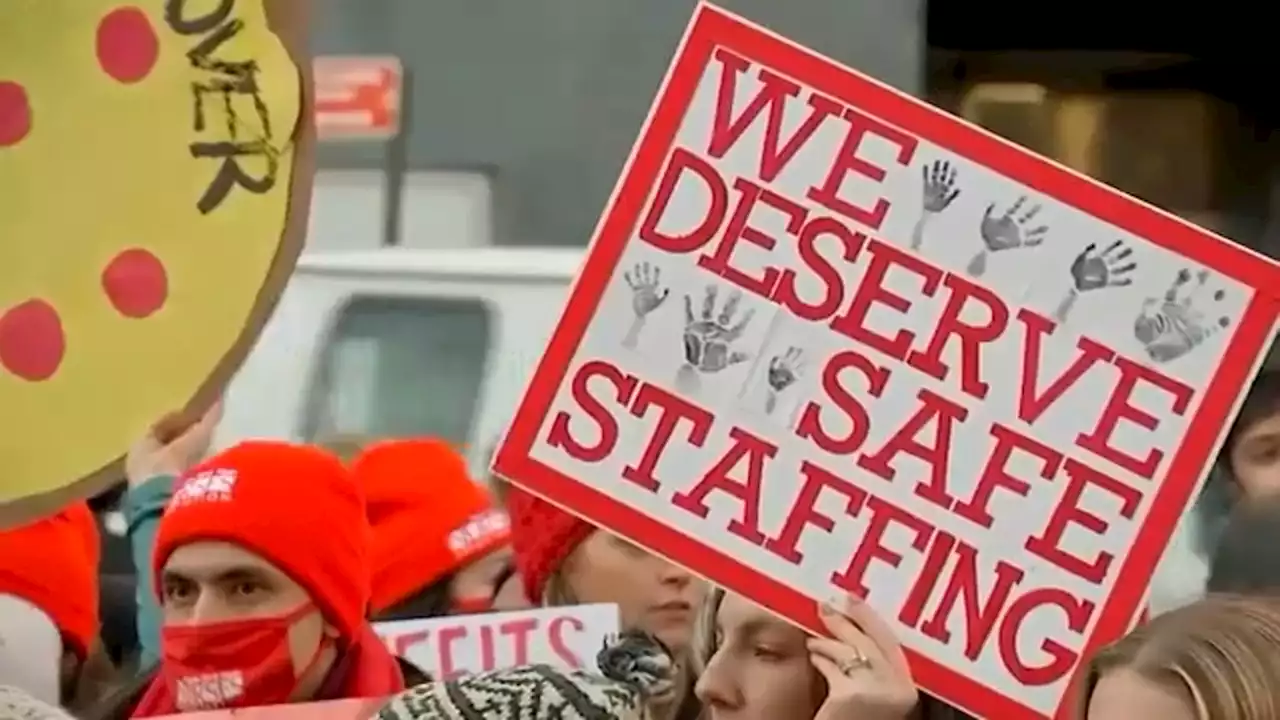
(213, 582)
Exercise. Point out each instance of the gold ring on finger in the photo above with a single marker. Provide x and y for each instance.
(854, 664)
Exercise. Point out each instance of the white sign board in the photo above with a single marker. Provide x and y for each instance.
(829, 339)
(449, 647)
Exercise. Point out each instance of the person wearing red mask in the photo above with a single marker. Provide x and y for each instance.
(261, 568)
(440, 547)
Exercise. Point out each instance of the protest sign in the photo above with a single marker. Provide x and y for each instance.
(450, 647)
(155, 165)
(335, 710)
(831, 340)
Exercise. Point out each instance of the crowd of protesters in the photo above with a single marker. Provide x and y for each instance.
(261, 568)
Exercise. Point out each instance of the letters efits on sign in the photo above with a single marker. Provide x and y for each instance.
(358, 98)
(450, 647)
(831, 340)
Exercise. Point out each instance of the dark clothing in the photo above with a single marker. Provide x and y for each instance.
(118, 609)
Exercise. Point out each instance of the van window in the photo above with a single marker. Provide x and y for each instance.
(396, 367)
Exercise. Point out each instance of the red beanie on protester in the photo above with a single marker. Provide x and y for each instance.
(52, 563)
(296, 506)
(542, 536)
(429, 518)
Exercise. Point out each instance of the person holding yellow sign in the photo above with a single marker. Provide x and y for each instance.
(155, 175)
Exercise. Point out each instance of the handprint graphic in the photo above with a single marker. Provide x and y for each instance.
(647, 295)
(783, 372)
(1007, 231)
(1172, 325)
(939, 192)
(1092, 270)
(709, 338)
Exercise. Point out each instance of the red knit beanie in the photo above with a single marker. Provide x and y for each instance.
(296, 506)
(542, 536)
(52, 563)
(429, 518)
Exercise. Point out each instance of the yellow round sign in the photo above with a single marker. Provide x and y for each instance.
(155, 178)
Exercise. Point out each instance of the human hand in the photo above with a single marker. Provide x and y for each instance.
(171, 446)
(866, 671)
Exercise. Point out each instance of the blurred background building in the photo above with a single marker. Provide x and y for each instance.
(524, 112)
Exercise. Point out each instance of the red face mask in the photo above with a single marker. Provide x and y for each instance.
(474, 605)
(239, 663)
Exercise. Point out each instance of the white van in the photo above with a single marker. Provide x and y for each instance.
(397, 342)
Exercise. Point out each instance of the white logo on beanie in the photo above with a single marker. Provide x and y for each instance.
(205, 692)
(209, 486)
(481, 528)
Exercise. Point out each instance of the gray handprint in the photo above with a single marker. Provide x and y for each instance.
(939, 192)
(1092, 270)
(783, 372)
(1172, 325)
(1007, 231)
(647, 295)
(708, 337)
(939, 186)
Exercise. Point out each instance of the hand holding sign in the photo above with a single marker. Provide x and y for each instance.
(143, 249)
(171, 446)
(866, 671)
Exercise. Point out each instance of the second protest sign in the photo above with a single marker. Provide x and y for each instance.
(831, 340)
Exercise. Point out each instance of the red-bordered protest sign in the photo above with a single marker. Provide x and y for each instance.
(829, 339)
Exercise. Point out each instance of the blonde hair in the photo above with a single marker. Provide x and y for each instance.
(705, 642)
(557, 593)
(1223, 652)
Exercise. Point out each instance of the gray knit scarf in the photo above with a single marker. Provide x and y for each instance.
(631, 669)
